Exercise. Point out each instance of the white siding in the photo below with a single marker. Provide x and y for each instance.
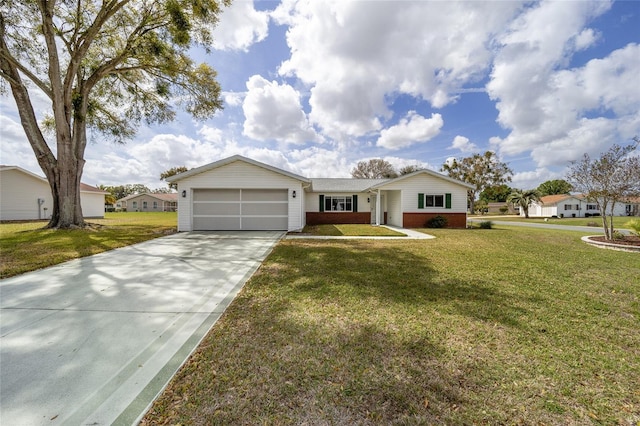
(92, 204)
(19, 193)
(239, 174)
(427, 184)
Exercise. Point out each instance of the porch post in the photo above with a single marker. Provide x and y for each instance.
(378, 208)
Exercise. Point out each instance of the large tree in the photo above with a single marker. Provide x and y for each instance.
(496, 193)
(104, 66)
(607, 180)
(480, 170)
(523, 199)
(554, 187)
(374, 169)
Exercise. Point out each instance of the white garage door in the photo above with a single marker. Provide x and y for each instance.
(240, 209)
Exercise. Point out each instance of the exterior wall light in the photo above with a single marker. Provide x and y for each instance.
(293, 193)
(184, 193)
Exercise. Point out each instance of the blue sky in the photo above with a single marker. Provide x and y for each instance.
(316, 86)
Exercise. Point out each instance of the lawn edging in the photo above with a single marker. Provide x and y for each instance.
(611, 246)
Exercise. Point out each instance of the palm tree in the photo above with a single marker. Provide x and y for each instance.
(524, 198)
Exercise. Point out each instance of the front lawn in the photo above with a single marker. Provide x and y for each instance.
(351, 230)
(27, 246)
(596, 222)
(503, 326)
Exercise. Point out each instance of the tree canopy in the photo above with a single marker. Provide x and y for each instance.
(495, 193)
(610, 179)
(554, 187)
(479, 170)
(172, 172)
(105, 66)
(374, 169)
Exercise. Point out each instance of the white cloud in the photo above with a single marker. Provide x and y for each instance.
(354, 54)
(585, 39)
(240, 26)
(410, 130)
(554, 112)
(532, 179)
(273, 111)
(463, 144)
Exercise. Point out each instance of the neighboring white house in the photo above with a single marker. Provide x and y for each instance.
(576, 206)
(27, 196)
(148, 202)
(238, 193)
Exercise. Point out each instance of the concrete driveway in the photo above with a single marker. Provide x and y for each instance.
(94, 340)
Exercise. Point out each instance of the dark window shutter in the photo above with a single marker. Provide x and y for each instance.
(447, 200)
(355, 203)
(421, 201)
(321, 203)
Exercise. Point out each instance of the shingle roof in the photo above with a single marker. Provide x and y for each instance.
(343, 184)
(172, 196)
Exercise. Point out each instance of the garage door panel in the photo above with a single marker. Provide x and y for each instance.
(216, 223)
(266, 209)
(264, 223)
(265, 195)
(223, 209)
(240, 209)
(216, 195)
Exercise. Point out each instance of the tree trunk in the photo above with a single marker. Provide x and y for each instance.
(65, 190)
(605, 225)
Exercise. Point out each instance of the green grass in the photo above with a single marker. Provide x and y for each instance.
(27, 246)
(503, 326)
(618, 221)
(351, 230)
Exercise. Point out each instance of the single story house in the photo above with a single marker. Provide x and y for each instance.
(148, 202)
(565, 205)
(239, 193)
(27, 196)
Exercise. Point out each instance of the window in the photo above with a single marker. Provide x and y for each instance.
(434, 200)
(135, 204)
(592, 207)
(155, 205)
(338, 204)
(144, 205)
(567, 206)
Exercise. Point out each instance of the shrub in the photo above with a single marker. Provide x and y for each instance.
(617, 235)
(592, 224)
(437, 222)
(486, 224)
(504, 209)
(634, 225)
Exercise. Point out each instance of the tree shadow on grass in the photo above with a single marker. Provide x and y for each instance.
(394, 275)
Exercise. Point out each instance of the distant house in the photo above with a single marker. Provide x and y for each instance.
(27, 196)
(148, 202)
(239, 193)
(576, 205)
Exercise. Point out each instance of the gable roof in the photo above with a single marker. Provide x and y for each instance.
(555, 199)
(343, 184)
(419, 172)
(171, 196)
(83, 186)
(230, 160)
